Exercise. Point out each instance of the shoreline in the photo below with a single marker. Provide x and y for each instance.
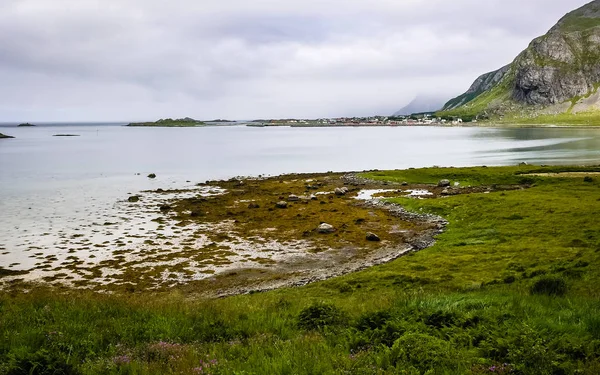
(464, 125)
(205, 239)
(161, 255)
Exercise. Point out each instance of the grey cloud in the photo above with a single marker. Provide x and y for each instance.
(135, 59)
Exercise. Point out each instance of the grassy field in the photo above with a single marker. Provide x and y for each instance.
(590, 118)
(511, 287)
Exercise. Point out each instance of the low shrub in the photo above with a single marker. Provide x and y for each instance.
(373, 320)
(424, 353)
(320, 315)
(550, 286)
(42, 362)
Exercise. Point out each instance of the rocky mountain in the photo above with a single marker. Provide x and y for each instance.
(420, 104)
(484, 83)
(559, 73)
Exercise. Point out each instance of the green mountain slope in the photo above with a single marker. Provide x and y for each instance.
(555, 80)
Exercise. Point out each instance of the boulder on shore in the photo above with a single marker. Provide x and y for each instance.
(341, 191)
(373, 237)
(444, 183)
(326, 228)
(281, 204)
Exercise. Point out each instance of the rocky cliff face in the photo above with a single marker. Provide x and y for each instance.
(561, 66)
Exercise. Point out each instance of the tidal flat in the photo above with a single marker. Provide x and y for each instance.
(238, 236)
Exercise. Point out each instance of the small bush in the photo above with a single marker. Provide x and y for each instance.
(421, 352)
(509, 279)
(41, 362)
(373, 320)
(319, 316)
(440, 319)
(550, 286)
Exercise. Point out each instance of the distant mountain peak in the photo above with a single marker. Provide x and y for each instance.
(420, 104)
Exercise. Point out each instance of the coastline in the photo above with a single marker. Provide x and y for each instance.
(463, 125)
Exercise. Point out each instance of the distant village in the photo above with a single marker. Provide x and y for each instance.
(414, 120)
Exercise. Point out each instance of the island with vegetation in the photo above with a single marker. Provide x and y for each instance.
(25, 125)
(482, 271)
(2, 136)
(170, 123)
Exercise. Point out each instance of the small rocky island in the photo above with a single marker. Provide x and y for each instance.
(2, 136)
(170, 123)
(26, 125)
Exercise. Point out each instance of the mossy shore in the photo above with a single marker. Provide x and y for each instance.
(510, 287)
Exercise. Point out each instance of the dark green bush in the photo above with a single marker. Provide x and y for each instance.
(440, 319)
(320, 315)
(373, 320)
(550, 286)
(41, 362)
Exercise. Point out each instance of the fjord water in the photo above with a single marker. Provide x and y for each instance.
(51, 186)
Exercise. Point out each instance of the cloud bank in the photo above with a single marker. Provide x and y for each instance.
(103, 60)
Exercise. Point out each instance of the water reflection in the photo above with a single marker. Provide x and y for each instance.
(544, 145)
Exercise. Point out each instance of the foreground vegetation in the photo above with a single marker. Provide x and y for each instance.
(510, 287)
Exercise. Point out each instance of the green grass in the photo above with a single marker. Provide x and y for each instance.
(576, 24)
(478, 105)
(589, 118)
(467, 304)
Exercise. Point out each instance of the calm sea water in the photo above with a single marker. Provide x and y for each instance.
(52, 185)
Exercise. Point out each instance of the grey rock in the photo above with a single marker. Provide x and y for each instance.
(445, 192)
(133, 199)
(325, 228)
(152, 175)
(444, 183)
(281, 204)
(373, 237)
(293, 198)
(341, 191)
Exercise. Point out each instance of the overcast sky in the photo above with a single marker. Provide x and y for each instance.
(100, 60)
